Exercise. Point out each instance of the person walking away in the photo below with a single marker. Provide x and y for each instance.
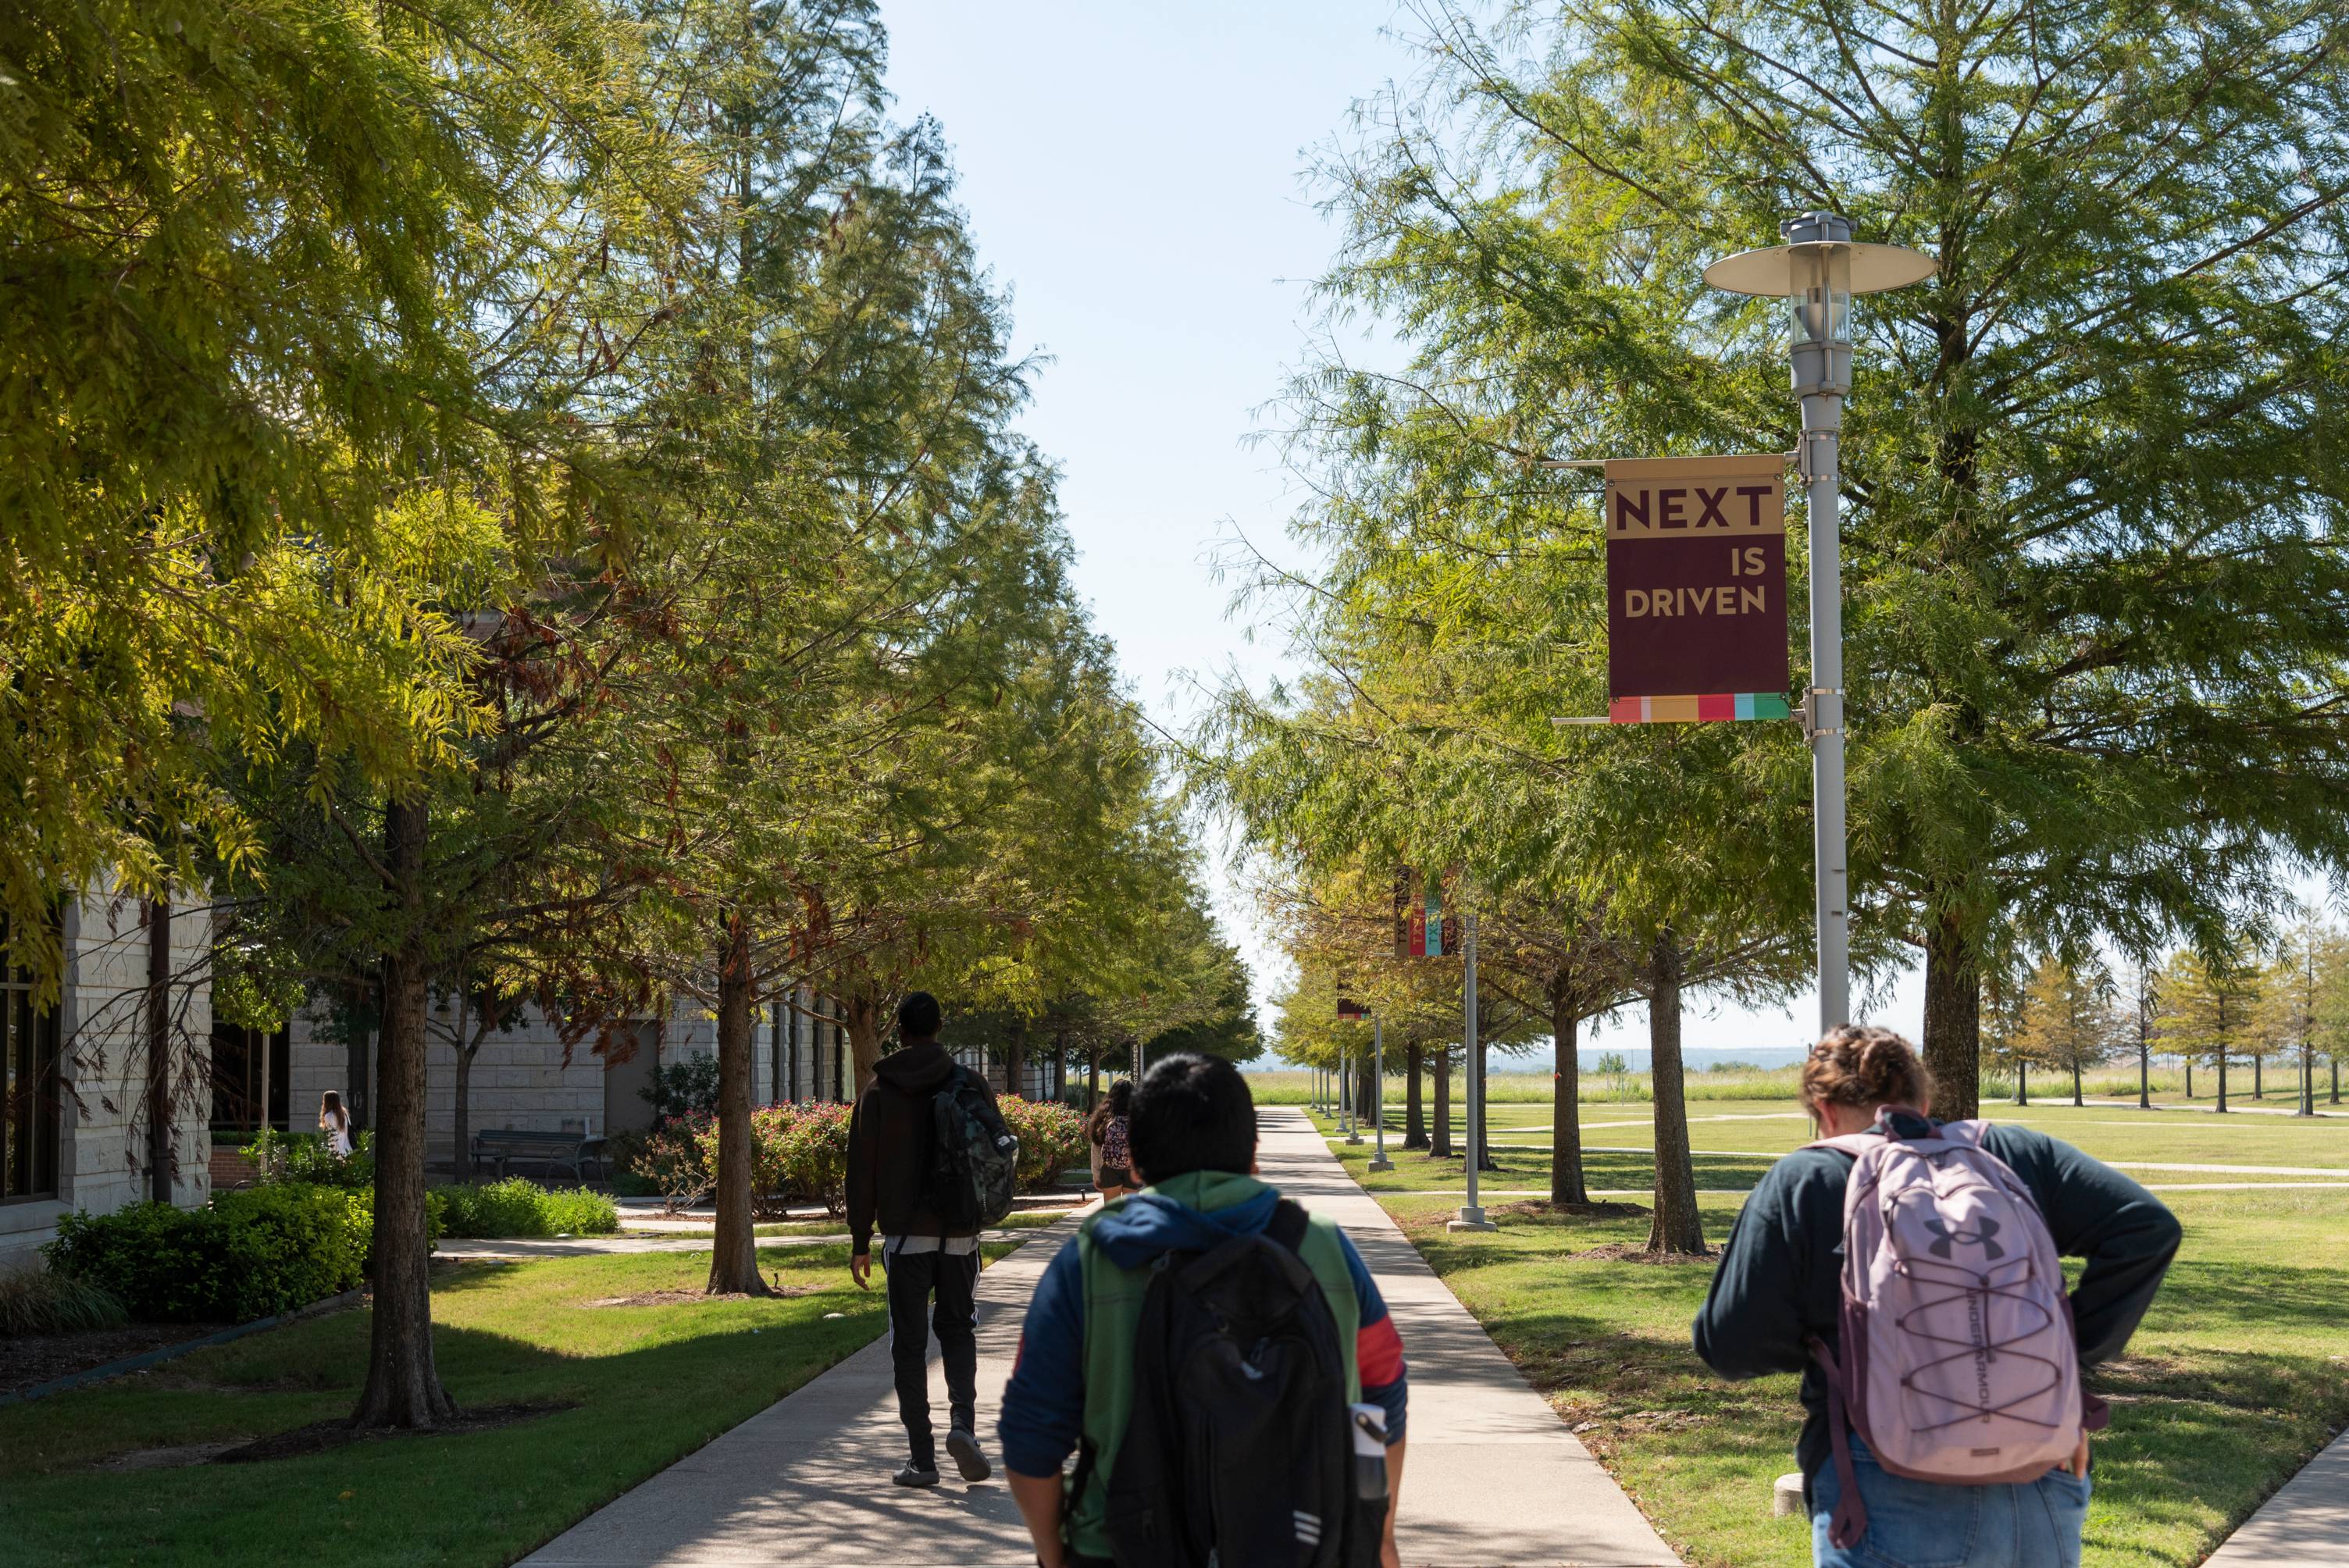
(1105, 1130)
(335, 1124)
(892, 1146)
(1861, 1261)
(1292, 1374)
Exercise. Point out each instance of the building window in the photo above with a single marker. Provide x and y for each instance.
(29, 1108)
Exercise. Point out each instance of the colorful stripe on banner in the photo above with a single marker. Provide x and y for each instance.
(1711, 707)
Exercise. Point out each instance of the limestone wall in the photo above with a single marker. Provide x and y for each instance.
(102, 1155)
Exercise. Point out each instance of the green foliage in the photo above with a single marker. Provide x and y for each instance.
(683, 1088)
(42, 1301)
(307, 1157)
(518, 1207)
(245, 1255)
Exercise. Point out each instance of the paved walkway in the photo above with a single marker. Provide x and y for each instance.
(2304, 1525)
(1493, 1476)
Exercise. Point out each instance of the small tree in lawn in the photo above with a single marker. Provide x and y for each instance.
(2068, 1020)
(2208, 1005)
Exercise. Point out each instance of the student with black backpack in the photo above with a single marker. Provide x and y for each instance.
(1218, 1360)
(929, 1160)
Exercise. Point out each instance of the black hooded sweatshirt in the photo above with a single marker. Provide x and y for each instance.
(889, 1140)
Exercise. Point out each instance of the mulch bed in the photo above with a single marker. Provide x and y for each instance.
(1634, 1253)
(320, 1437)
(684, 1298)
(27, 1363)
(1535, 1209)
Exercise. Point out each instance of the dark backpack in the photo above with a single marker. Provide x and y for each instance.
(974, 1159)
(1239, 1448)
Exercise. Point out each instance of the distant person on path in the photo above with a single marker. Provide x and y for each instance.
(1105, 1130)
(1302, 1403)
(1930, 1325)
(891, 1136)
(335, 1124)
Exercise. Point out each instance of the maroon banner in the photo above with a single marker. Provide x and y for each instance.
(1696, 576)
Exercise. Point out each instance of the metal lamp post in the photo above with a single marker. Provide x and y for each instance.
(1817, 272)
(1379, 1161)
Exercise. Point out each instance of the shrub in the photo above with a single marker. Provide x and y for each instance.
(245, 1255)
(1051, 1139)
(683, 1088)
(42, 1301)
(519, 1207)
(303, 1157)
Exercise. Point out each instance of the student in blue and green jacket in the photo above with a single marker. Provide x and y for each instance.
(1193, 1141)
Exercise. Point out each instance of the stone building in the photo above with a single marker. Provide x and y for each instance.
(77, 1080)
(526, 1078)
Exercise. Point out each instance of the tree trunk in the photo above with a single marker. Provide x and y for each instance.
(2144, 1076)
(1677, 1228)
(2022, 1087)
(1366, 1092)
(461, 1115)
(866, 1015)
(2259, 1079)
(1015, 1058)
(1566, 1181)
(2075, 1085)
(734, 1245)
(158, 1051)
(1414, 1114)
(1440, 1144)
(2222, 1077)
(357, 1104)
(2307, 1079)
(1482, 1141)
(403, 1380)
(1092, 1076)
(2189, 1078)
(1952, 1020)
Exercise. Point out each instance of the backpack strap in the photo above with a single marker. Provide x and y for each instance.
(1850, 1520)
(1289, 1224)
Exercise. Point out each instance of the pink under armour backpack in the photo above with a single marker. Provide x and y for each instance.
(1959, 1363)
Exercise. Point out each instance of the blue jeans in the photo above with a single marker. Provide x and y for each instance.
(1924, 1525)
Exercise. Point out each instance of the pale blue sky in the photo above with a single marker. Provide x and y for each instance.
(1132, 177)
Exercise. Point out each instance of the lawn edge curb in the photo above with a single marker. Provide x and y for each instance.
(139, 1363)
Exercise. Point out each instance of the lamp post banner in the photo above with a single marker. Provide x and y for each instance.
(1696, 576)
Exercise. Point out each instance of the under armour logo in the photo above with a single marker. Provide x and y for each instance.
(1947, 1238)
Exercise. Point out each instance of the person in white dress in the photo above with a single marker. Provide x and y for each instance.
(335, 1122)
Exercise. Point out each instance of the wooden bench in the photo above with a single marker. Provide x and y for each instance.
(505, 1146)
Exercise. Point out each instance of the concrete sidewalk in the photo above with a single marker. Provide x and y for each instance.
(1493, 1476)
(2304, 1525)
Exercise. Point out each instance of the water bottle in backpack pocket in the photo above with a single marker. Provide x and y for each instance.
(1958, 1362)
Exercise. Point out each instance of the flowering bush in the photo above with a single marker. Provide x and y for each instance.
(1052, 1139)
(799, 1153)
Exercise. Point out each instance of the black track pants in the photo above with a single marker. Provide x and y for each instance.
(914, 1279)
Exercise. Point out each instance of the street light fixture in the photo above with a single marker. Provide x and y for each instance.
(1817, 271)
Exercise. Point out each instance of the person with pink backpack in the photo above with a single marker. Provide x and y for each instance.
(1911, 1270)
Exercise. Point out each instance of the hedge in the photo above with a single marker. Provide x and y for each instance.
(243, 1255)
(519, 1207)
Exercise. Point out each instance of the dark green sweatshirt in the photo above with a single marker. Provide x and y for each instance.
(1780, 1280)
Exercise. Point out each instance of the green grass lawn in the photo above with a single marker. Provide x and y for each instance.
(649, 1385)
(2239, 1374)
